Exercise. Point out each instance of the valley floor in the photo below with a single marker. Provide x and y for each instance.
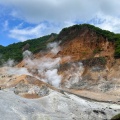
(55, 106)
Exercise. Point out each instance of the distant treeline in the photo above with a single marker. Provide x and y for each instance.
(14, 51)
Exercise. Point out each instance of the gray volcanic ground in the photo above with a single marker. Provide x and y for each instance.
(54, 106)
(38, 89)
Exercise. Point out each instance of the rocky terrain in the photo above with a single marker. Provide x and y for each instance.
(75, 78)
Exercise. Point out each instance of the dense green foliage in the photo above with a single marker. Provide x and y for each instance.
(14, 51)
(76, 30)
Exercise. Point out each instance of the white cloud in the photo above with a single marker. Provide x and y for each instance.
(107, 22)
(39, 10)
(110, 7)
(24, 33)
(27, 33)
(53, 10)
(20, 33)
(61, 13)
(5, 25)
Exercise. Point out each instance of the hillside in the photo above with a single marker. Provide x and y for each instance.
(85, 59)
(73, 75)
(14, 51)
(76, 31)
(85, 42)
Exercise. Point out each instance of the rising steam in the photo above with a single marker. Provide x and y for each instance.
(45, 68)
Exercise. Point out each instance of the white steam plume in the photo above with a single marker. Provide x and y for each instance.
(27, 54)
(17, 71)
(45, 67)
(74, 74)
(9, 63)
(54, 47)
(53, 77)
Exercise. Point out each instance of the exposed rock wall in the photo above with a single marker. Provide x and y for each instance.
(87, 45)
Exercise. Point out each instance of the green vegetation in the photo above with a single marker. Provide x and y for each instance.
(97, 50)
(14, 51)
(76, 29)
(84, 53)
(102, 60)
(97, 61)
(70, 32)
(116, 117)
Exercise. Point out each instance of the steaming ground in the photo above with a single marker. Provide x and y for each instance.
(46, 68)
(45, 89)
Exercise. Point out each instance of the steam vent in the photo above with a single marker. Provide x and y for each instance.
(73, 75)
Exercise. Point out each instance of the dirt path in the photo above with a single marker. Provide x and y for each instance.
(95, 96)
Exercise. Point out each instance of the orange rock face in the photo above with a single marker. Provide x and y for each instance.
(87, 45)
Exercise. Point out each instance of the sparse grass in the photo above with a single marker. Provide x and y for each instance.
(96, 51)
(116, 117)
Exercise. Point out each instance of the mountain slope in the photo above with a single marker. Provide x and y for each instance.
(84, 42)
(92, 33)
(74, 74)
(14, 51)
(72, 32)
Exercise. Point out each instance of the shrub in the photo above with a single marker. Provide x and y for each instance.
(116, 117)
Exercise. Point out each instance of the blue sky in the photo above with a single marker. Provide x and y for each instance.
(21, 20)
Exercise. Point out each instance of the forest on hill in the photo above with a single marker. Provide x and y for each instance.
(14, 51)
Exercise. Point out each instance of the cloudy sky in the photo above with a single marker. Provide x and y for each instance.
(26, 19)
